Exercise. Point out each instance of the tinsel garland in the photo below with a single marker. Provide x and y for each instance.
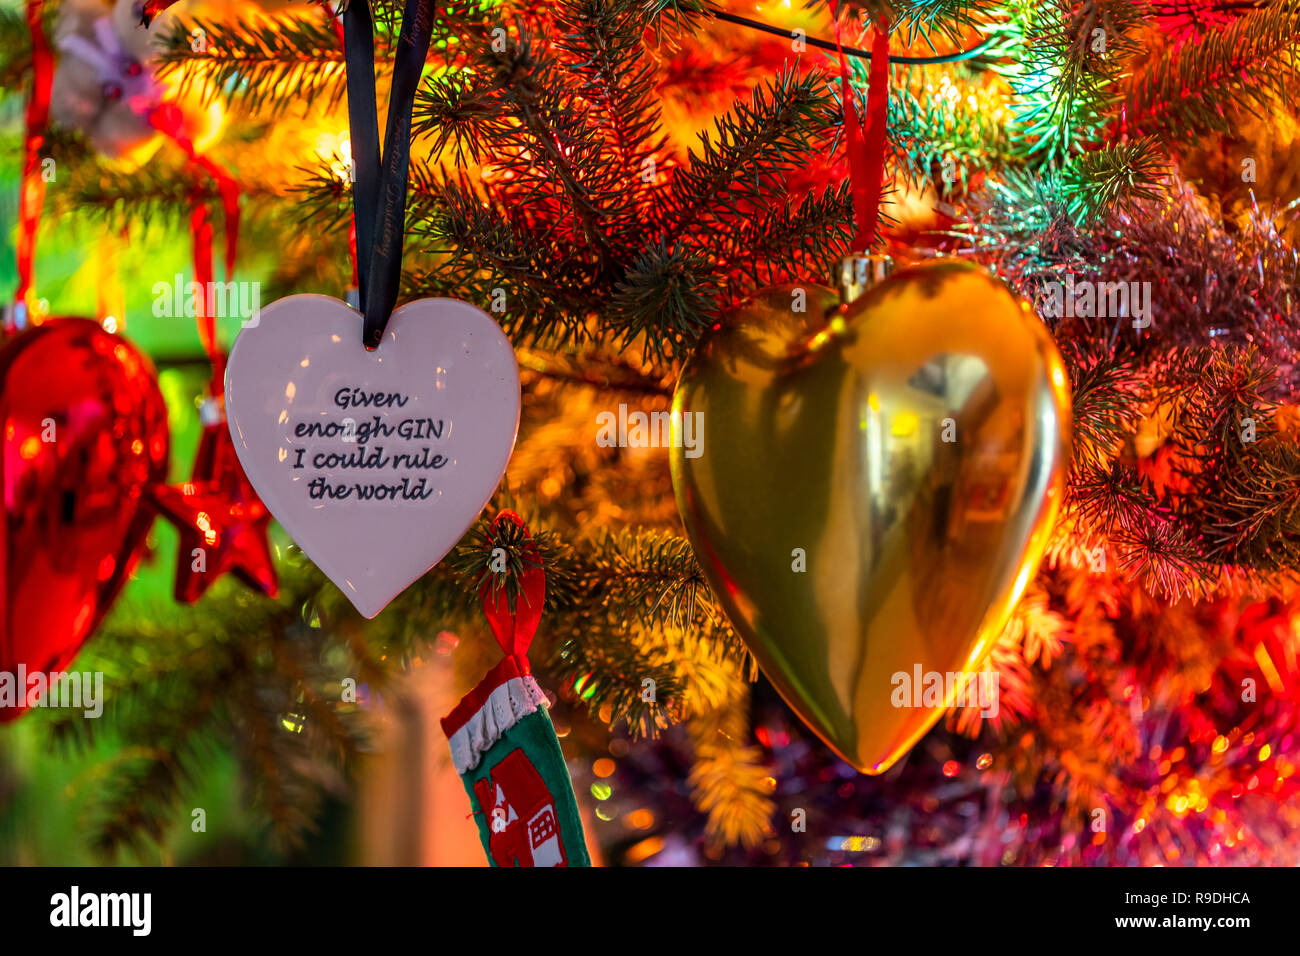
(1211, 283)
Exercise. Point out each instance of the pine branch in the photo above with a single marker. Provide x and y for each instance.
(665, 296)
(621, 609)
(137, 804)
(460, 110)
(1102, 180)
(571, 221)
(1108, 394)
(730, 780)
(261, 63)
(1164, 558)
(647, 576)
(761, 141)
(791, 240)
(160, 191)
(952, 19)
(929, 130)
(1244, 66)
(15, 49)
(323, 198)
(613, 676)
(1246, 491)
(601, 45)
(682, 16)
(552, 135)
(1065, 62)
(593, 369)
(549, 292)
(1113, 499)
(171, 706)
(1162, 476)
(654, 578)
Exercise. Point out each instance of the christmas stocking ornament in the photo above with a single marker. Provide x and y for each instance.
(504, 746)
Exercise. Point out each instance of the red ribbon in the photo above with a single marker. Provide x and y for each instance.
(514, 631)
(32, 198)
(866, 152)
(169, 120)
(201, 228)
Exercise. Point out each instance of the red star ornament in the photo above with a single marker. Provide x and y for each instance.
(223, 524)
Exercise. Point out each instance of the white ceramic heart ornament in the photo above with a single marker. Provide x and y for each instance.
(375, 462)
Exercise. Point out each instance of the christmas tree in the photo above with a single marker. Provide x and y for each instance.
(610, 180)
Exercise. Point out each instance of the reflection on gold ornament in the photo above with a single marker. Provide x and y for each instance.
(877, 485)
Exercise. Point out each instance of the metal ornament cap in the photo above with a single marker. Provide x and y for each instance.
(857, 274)
(876, 490)
(411, 438)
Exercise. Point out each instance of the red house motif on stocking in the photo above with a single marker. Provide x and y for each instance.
(524, 828)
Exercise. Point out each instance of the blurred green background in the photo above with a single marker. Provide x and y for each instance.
(44, 785)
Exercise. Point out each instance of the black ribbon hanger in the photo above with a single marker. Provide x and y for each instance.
(379, 193)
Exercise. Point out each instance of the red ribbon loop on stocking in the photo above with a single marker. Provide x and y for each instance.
(866, 151)
(514, 631)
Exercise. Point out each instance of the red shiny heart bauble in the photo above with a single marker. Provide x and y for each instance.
(85, 436)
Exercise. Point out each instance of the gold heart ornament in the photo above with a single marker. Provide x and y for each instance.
(874, 490)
